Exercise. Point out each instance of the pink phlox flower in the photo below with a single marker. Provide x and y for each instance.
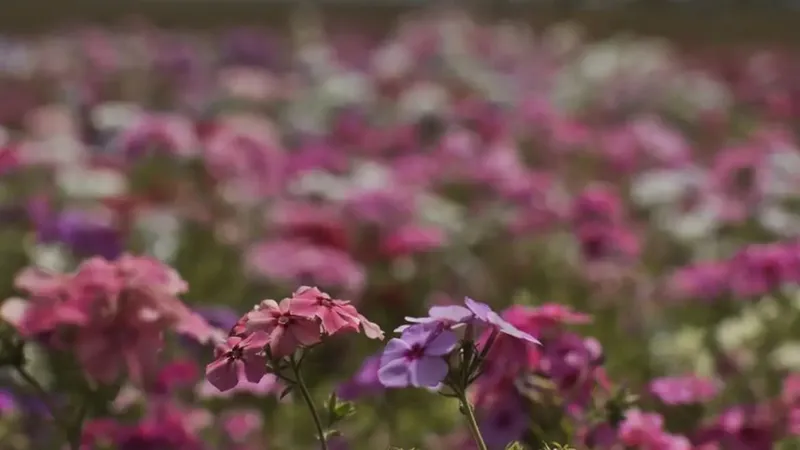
(237, 357)
(334, 315)
(287, 331)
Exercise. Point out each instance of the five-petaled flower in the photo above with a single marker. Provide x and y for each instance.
(239, 358)
(417, 357)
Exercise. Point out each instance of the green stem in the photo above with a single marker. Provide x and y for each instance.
(71, 432)
(471, 422)
(301, 384)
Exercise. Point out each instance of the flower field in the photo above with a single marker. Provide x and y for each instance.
(456, 236)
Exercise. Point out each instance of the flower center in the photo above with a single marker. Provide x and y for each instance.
(236, 353)
(284, 320)
(324, 301)
(416, 351)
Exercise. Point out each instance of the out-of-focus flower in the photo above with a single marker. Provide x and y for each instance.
(683, 390)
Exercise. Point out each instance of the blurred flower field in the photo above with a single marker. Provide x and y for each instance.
(171, 199)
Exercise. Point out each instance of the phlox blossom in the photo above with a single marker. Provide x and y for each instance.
(239, 358)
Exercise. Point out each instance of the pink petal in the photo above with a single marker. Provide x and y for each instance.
(282, 342)
(255, 369)
(306, 307)
(222, 374)
(256, 341)
(261, 320)
(333, 322)
(371, 329)
(306, 332)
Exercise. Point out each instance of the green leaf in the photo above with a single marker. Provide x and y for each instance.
(514, 446)
(338, 410)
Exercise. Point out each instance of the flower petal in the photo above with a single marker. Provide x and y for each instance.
(441, 344)
(222, 374)
(394, 373)
(428, 371)
(395, 348)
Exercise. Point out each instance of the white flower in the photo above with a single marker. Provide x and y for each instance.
(51, 258)
(85, 182)
(735, 333)
(661, 187)
(787, 356)
(423, 98)
(161, 232)
(347, 88)
(116, 115)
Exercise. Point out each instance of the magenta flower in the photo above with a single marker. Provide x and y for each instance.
(417, 357)
(287, 331)
(239, 358)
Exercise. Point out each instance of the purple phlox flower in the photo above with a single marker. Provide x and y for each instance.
(484, 313)
(452, 316)
(417, 357)
(364, 382)
(504, 423)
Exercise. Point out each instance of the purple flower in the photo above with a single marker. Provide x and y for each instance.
(85, 234)
(474, 312)
(483, 313)
(451, 316)
(219, 316)
(364, 382)
(8, 403)
(504, 423)
(416, 358)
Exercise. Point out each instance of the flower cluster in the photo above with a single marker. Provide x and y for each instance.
(626, 209)
(111, 314)
(273, 331)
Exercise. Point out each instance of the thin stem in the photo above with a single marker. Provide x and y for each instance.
(310, 402)
(471, 422)
(72, 433)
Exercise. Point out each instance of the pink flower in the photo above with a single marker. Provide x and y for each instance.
(596, 204)
(249, 164)
(269, 385)
(707, 280)
(296, 261)
(737, 175)
(239, 425)
(412, 239)
(683, 390)
(237, 357)
(159, 132)
(112, 314)
(639, 427)
(287, 330)
(335, 315)
(759, 269)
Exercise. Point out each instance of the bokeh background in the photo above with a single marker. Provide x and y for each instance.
(636, 162)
